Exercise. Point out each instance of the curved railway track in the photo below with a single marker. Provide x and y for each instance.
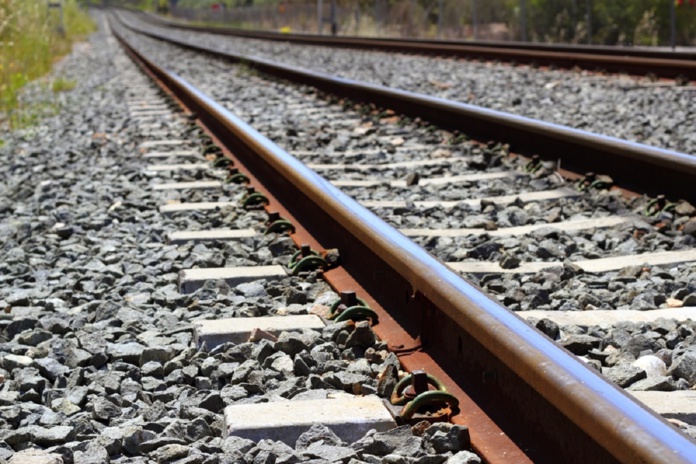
(661, 63)
(484, 353)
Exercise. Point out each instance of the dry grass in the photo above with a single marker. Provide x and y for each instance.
(31, 40)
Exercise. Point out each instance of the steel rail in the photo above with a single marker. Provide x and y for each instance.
(561, 410)
(634, 166)
(613, 59)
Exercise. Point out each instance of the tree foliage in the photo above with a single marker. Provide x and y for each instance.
(612, 22)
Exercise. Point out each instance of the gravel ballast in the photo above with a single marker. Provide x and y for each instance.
(96, 344)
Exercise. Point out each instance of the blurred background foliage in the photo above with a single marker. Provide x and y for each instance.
(32, 37)
(612, 22)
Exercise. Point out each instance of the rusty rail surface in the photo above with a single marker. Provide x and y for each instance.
(554, 407)
(633, 166)
(637, 61)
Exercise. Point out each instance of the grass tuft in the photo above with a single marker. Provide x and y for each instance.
(31, 40)
(62, 84)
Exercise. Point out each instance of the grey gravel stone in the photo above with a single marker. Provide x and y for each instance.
(684, 367)
(578, 343)
(444, 437)
(624, 375)
(464, 457)
(362, 336)
(35, 457)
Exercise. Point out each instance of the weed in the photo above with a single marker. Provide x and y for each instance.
(244, 68)
(62, 84)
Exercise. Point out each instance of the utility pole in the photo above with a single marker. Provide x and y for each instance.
(58, 4)
(320, 16)
(474, 19)
(673, 21)
(588, 6)
(334, 24)
(523, 20)
(440, 16)
(412, 18)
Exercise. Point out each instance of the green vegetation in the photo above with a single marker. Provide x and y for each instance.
(31, 40)
(613, 22)
(62, 85)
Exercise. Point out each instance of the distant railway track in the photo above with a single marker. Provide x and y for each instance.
(630, 60)
(533, 400)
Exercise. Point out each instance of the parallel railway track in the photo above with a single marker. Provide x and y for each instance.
(661, 63)
(492, 348)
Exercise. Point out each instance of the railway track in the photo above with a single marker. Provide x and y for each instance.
(125, 331)
(412, 170)
(641, 61)
(639, 109)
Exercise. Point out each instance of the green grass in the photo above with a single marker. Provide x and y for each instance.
(62, 84)
(30, 42)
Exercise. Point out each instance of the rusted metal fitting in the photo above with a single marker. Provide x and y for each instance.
(272, 217)
(306, 259)
(351, 308)
(222, 162)
(659, 204)
(349, 298)
(594, 181)
(420, 402)
(210, 148)
(254, 199)
(534, 164)
(236, 177)
(419, 384)
(278, 225)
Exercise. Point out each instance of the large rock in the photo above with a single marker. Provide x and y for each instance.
(624, 374)
(652, 365)
(35, 457)
(684, 367)
(464, 457)
(362, 336)
(50, 368)
(41, 436)
(399, 440)
(15, 361)
(579, 344)
(444, 437)
(129, 352)
(104, 410)
(318, 433)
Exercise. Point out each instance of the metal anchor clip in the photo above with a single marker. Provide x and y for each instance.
(534, 164)
(235, 177)
(658, 205)
(305, 260)
(253, 199)
(351, 308)
(594, 181)
(419, 402)
(278, 225)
